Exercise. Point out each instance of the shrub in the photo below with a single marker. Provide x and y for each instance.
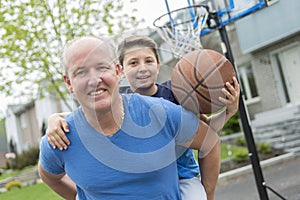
(232, 126)
(13, 184)
(27, 158)
(264, 148)
(240, 155)
(240, 141)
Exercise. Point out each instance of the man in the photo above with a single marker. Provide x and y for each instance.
(122, 147)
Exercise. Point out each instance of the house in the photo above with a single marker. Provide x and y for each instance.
(268, 61)
(266, 50)
(3, 142)
(26, 123)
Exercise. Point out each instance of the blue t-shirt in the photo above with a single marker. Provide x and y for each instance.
(131, 164)
(186, 164)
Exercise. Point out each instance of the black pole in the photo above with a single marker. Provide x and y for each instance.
(260, 183)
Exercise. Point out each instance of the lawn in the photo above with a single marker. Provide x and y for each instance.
(226, 151)
(11, 174)
(33, 192)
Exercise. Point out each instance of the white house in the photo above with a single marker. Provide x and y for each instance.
(25, 122)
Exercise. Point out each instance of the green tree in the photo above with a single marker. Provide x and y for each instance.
(32, 33)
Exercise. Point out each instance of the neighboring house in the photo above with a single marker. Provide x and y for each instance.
(3, 142)
(25, 123)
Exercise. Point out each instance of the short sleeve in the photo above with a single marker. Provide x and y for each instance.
(48, 158)
(184, 123)
(188, 126)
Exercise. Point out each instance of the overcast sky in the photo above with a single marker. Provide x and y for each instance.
(152, 9)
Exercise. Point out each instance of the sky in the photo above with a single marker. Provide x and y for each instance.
(152, 9)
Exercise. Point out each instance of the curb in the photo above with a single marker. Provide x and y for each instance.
(226, 176)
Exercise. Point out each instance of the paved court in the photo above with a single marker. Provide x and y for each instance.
(282, 176)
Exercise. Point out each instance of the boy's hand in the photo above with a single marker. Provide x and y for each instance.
(232, 97)
(57, 127)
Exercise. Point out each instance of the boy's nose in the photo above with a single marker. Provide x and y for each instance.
(142, 68)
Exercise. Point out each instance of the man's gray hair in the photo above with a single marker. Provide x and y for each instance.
(110, 47)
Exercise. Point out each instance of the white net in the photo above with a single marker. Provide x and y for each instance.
(181, 28)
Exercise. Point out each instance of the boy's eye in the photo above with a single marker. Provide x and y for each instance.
(149, 61)
(132, 63)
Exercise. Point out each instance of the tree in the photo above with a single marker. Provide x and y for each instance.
(32, 33)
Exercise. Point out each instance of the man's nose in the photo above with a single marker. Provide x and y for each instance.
(95, 78)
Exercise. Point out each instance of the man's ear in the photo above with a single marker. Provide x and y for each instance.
(68, 83)
(119, 69)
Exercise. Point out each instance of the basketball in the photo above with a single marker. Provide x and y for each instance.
(198, 78)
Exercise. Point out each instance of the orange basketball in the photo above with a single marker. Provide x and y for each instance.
(197, 80)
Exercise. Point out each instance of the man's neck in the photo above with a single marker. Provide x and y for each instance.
(107, 122)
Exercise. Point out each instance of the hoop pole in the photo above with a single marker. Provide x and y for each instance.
(260, 182)
(169, 13)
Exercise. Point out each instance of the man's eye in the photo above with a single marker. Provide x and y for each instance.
(102, 68)
(80, 73)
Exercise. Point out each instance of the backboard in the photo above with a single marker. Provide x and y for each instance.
(231, 10)
(227, 10)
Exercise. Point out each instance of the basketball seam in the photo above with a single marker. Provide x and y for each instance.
(204, 77)
(208, 74)
(194, 88)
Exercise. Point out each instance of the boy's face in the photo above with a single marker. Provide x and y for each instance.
(141, 69)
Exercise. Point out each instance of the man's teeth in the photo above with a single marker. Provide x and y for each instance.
(97, 92)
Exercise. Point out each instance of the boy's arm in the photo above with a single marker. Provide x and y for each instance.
(209, 155)
(210, 169)
(57, 127)
(59, 183)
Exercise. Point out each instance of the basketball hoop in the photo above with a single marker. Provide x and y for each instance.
(181, 28)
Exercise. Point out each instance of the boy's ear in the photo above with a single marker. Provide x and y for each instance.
(68, 83)
(158, 67)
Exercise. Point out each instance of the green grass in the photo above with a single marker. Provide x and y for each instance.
(33, 192)
(10, 174)
(224, 151)
(13, 173)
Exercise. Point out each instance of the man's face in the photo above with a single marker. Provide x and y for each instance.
(92, 75)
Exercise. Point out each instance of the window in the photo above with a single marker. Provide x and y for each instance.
(248, 83)
(23, 120)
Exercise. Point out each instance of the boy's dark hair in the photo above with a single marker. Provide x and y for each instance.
(136, 41)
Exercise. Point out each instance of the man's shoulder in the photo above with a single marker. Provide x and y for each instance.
(71, 115)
